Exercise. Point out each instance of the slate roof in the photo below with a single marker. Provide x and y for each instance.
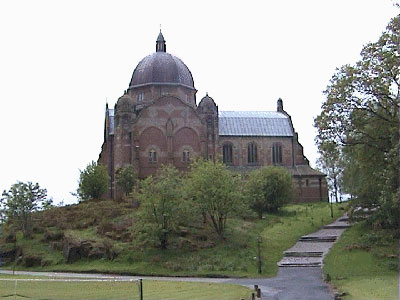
(254, 123)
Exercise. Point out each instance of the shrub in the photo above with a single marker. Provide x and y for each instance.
(93, 182)
(268, 189)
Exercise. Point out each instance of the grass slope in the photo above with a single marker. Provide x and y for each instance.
(193, 252)
(364, 264)
(37, 288)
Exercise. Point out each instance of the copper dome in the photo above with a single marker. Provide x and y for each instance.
(161, 68)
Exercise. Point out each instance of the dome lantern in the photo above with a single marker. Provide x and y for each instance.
(160, 43)
(161, 68)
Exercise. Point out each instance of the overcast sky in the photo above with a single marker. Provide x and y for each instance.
(60, 61)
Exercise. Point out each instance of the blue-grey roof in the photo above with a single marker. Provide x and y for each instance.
(244, 123)
(111, 120)
(254, 123)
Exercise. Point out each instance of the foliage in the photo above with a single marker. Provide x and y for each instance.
(214, 190)
(331, 164)
(359, 119)
(205, 256)
(125, 178)
(21, 200)
(93, 181)
(268, 189)
(161, 205)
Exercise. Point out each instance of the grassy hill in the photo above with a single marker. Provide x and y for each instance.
(99, 236)
(364, 263)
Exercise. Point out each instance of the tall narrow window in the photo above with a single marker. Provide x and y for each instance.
(186, 156)
(152, 156)
(209, 121)
(252, 153)
(276, 154)
(227, 154)
(140, 96)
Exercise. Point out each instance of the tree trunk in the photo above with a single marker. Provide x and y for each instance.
(26, 226)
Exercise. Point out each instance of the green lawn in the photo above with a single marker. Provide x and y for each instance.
(235, 256)
(39, 288)
(363, 264)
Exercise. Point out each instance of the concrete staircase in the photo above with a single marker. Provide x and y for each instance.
(310, 250)
(318, 239)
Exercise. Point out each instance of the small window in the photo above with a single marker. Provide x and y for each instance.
(227, 154)
(152, 156)
(186, 156)
(252, 153)
(276, 154)
(140, 96)
(307, 182)
(209, 121)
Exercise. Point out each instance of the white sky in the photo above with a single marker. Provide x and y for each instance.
(61, 60)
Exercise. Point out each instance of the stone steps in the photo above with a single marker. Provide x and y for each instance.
(283, 265)
(337, 226)
(300, 262)
(327, 238)
(303, 254)
(310, 249)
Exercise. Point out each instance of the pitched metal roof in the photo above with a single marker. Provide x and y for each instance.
(254, 123)
(244, 123)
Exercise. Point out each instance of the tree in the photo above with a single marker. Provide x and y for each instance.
(268, 189)
(360, 117)
(330, 163)
(214, 190)
(20, 201)
(161, 205)
(93, 181)
(126, 178)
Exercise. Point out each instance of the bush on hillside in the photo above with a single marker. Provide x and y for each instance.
(93, 182)
(268, 189)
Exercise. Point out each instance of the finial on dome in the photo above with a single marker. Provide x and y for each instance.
(206, 94)
(160, 44)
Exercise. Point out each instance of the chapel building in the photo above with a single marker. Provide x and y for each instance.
(158, 121)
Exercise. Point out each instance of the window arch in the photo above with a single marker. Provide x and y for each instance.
(227, 154)
(276, 154)
(186, 156)
(252, 153)
(152, 156)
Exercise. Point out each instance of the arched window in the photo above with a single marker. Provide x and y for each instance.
(152, 156)
(276, 154)
(209, 121)
(227, 154)
(186, 156)
(252, 153)
(140, 96)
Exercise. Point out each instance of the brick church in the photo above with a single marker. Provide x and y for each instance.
(158, 121)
